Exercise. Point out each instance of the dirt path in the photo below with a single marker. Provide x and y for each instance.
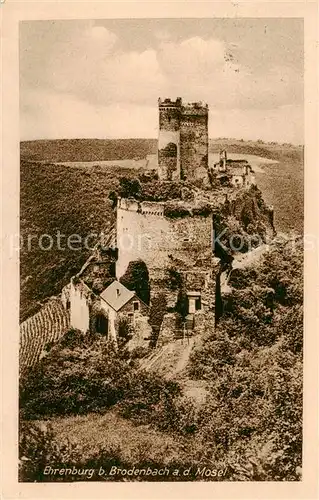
(184, 358)
(171, 359)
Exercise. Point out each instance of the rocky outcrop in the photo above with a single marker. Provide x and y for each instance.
(244, 222)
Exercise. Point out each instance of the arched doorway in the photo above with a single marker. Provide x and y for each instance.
(101, 324)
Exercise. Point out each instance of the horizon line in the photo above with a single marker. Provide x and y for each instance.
(261, 141)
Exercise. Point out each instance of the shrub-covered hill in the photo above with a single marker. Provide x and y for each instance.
(55, 199)
(249, 422)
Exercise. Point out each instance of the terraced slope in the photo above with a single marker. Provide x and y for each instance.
(48, 325)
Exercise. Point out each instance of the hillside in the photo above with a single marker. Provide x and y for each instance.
(269, 150)
(232, 403)
(54, 201)
(60, 150)
(63, 150)
(282, 183)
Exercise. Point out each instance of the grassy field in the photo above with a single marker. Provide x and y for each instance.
(134, 442)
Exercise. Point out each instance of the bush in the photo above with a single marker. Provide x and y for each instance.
(157, 312)
(174, 279)
(150, 399)
(161, 191)
(130, 188)
(136, 278)
(124, 332)
(80, 374)
(77, 377)
(252, 417)
(38, 448)
(182, 303)
(203, 211)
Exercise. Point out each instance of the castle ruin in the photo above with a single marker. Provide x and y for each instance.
(238, 173)
(171, 242)
(182, 140)
(173, 237)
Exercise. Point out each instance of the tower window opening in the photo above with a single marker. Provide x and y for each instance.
(136, 306)
(198, 304)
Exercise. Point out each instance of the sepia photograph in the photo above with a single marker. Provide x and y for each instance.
(161, 249)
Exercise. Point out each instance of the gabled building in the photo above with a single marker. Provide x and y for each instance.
(105, 312)
(118, 303)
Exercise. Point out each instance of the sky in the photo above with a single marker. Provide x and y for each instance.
(102, 78)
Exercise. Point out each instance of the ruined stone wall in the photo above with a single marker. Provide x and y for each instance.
(80, 301)
(238, 180)
(193, 139)
(169, 140)
(204, 281)
(144, 233)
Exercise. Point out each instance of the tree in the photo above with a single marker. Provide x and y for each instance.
(157, 312)
(174, 279)
(124, 332)
(136, 278)
(129, 188)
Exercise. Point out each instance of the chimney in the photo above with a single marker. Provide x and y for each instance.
(118, 293)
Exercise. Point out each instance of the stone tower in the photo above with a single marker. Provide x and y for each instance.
(169, 167)
(183, 139)
(194, 139)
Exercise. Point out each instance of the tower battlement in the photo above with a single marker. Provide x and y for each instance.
(144, 207)
(195, 108)
(167, 102)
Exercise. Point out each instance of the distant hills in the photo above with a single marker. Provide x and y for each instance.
(60, 150)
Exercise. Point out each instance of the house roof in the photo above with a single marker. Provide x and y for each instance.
(117, 295)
